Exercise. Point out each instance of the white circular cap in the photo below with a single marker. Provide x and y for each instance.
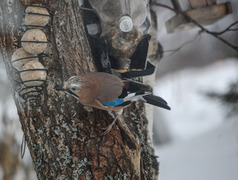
(125, 24)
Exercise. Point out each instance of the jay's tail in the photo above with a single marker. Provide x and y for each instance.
(148, 98)
(156, 101)
(141, 92)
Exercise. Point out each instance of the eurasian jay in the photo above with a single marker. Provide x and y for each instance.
(108, 92)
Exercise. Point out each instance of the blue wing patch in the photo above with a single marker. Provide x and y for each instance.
(117, 102)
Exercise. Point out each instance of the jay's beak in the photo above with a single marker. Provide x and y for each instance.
(60, 88)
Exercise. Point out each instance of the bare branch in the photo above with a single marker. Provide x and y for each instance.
(227, 29)
(203, 29)
(187, 43)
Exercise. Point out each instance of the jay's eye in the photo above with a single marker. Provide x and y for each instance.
(74, 88)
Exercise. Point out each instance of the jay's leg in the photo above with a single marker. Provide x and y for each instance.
(108, 128)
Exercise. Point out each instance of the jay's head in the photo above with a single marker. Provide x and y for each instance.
(71, 86)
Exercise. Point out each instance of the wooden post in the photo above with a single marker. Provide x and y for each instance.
(203, 15)
(181, 5)
(211, 2)
(201, 3)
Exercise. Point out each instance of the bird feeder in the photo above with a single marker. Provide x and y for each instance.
(20, 57)
(123, 45)
(33, 74)
(30, 75)
(36, 16)
(34, 41)
(30, 79)
(205, 12)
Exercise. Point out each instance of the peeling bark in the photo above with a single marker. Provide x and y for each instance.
(63, 136)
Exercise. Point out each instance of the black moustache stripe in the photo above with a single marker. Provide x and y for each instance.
(59, 88)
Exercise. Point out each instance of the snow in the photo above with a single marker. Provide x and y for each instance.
(12, 127)
(192, 112)
(204, 142)
(1, 173)
(211, 156)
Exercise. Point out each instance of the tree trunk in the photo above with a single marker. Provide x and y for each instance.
(64, 137)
